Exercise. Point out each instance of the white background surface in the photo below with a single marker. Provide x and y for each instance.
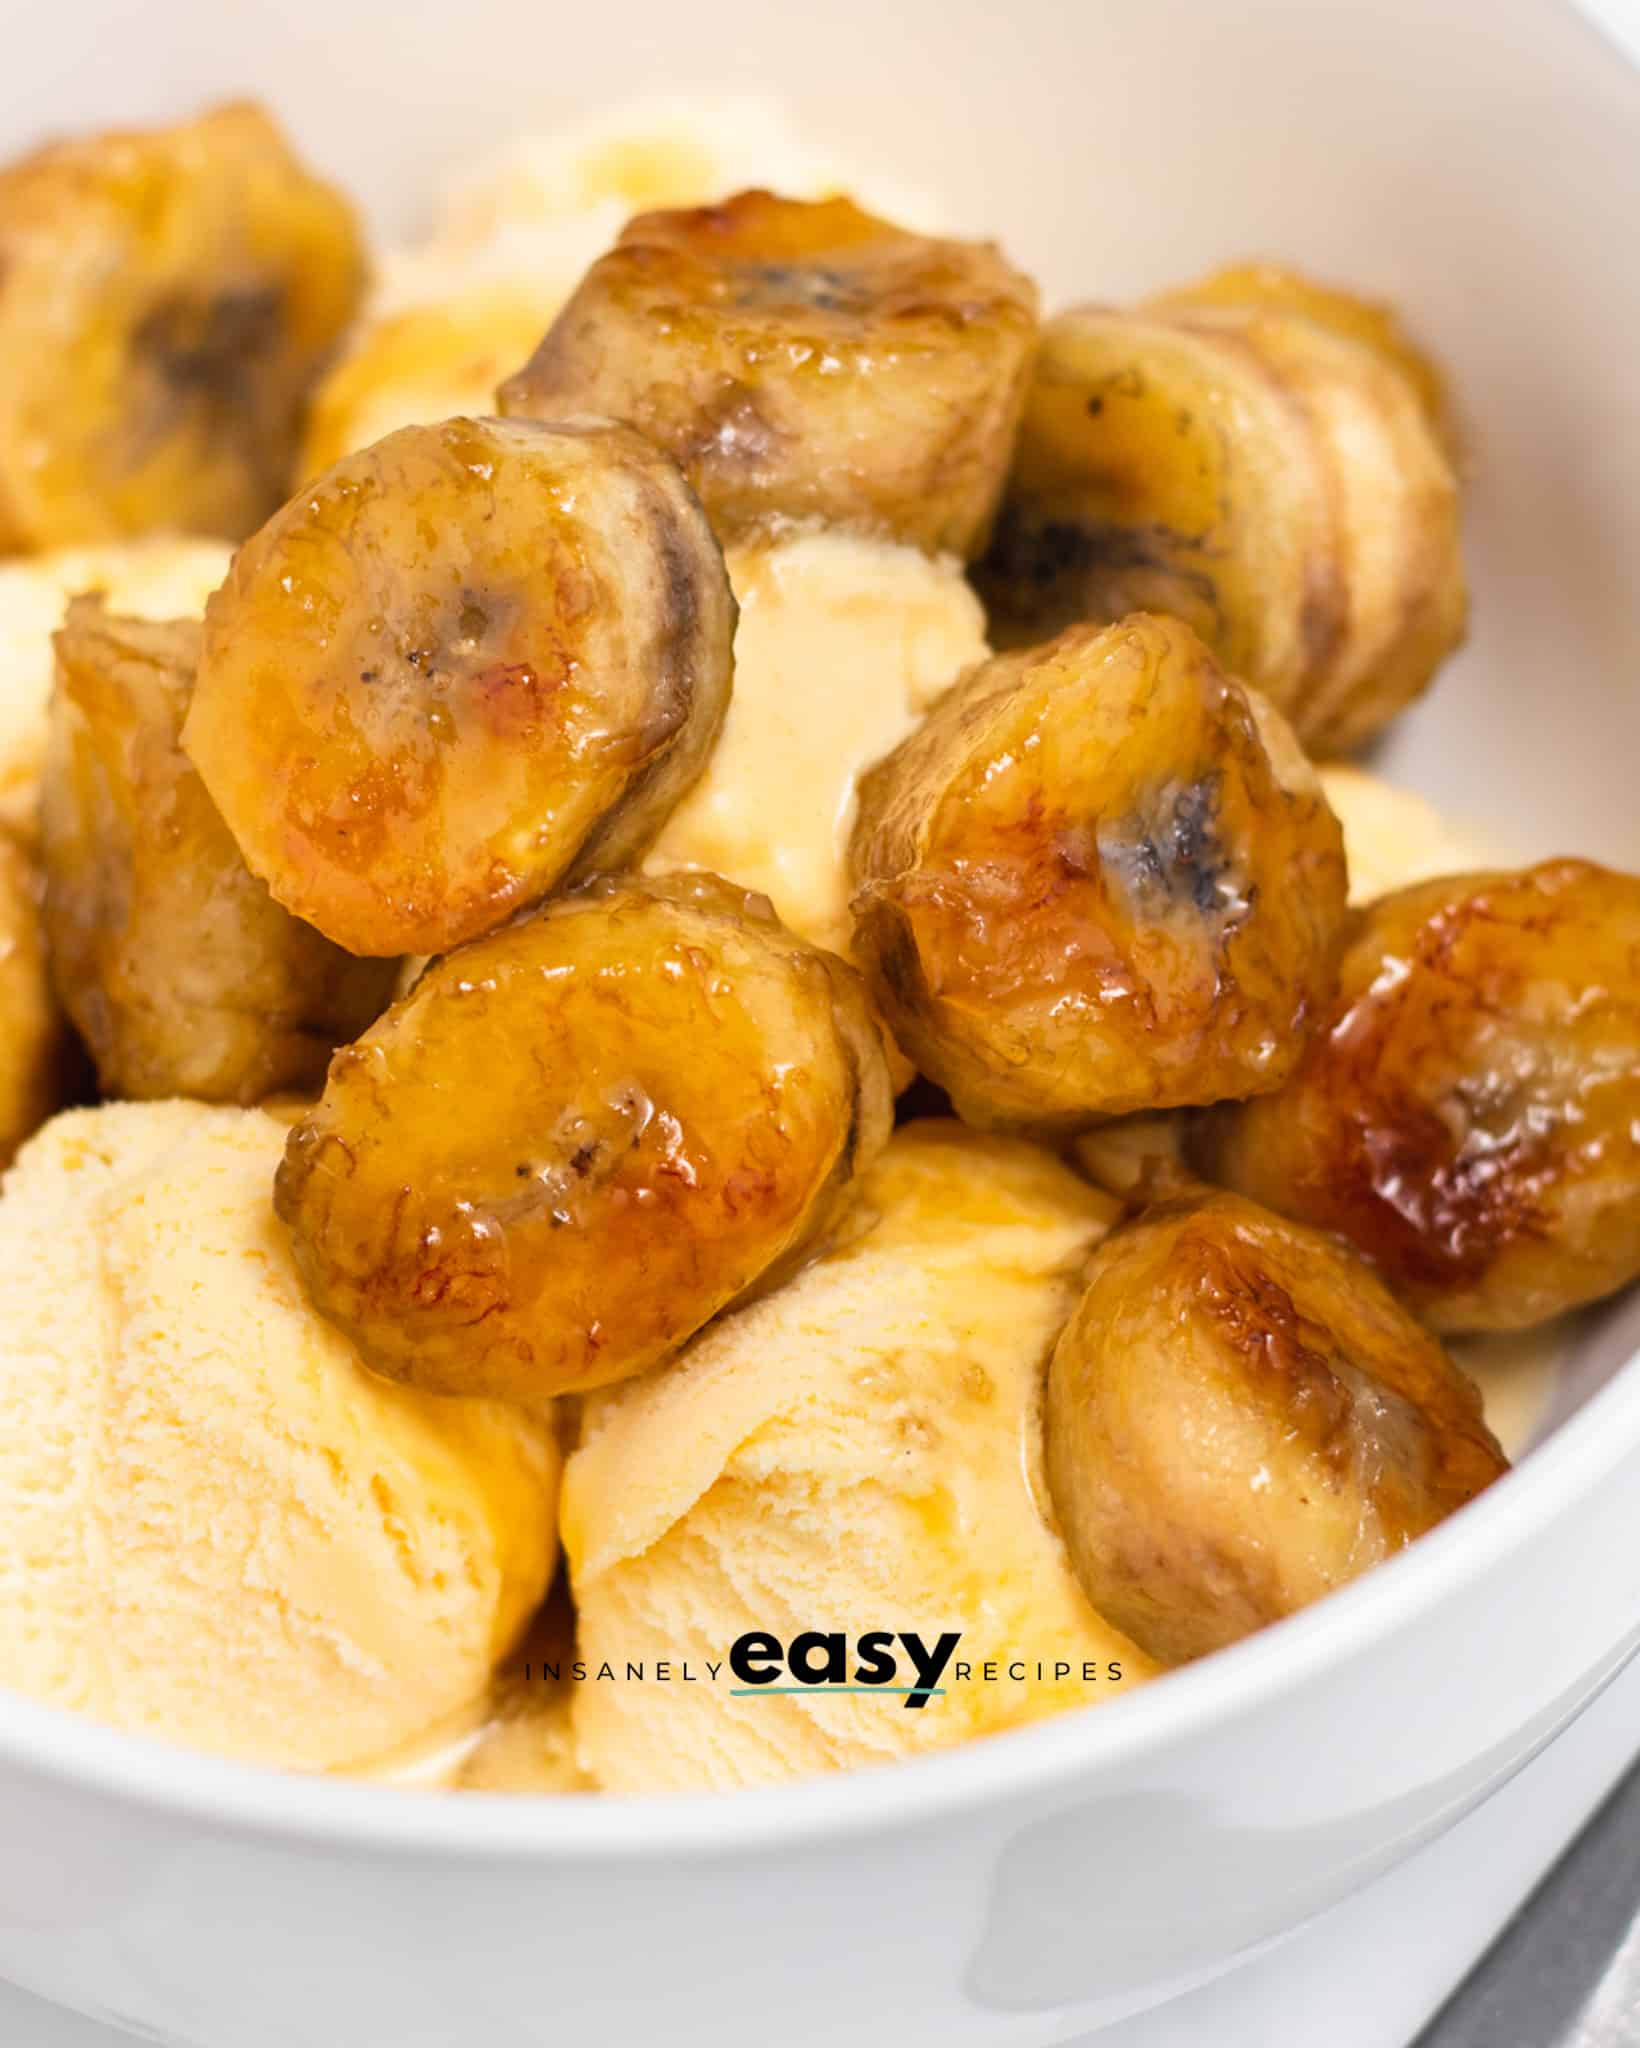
(1370, 1973)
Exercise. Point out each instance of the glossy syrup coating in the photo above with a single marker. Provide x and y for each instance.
(461, 666)
(803, 360)
(1099, 878)
(579, 1138)
(1469, 1115)
(1269, 477)
(182, 974)
(167, 296)
(1240, 1418)
(1370, 321)
(35, 1063)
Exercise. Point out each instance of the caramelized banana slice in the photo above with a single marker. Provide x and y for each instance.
(1099, 878)
(1240, 1418)
(1470, 1115)
(464, 663)
(166, 298)
(34, 1050)
(1369, 321)
(182, 974)
(579, 1138)
(1262, 475)
(803, 361)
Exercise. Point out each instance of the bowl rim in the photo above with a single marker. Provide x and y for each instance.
(340, 1814)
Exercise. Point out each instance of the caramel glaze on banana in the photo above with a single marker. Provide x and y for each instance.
(1469, 1114)
(578, 1138)
(464, 666)
(181, 973)
(1239, 1419)
(1099, 878)
(803, 361)
(1248, 286)
(1257, 465)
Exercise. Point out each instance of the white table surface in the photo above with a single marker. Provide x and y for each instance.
(1375, 1970)
(1368, 1975)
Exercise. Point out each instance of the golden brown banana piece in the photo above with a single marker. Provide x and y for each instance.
(581, 1137)
(803, 360)
(1267, 476)
(1099, 878)
(1240, 1417)
(182, 974)
(35, 1057)
(464, 664)
(1371, 321)
(1470, 1114)
(166, 298)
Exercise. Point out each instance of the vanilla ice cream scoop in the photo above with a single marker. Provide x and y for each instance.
(437, 361)
(463, 306)
(674, 149)
(1394, 837)
(860, 1451)
(842, 645)
(219, 1528)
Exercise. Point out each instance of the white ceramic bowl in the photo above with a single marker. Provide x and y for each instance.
(1480, 163)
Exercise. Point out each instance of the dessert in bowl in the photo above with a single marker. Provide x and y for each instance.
(614, 1175)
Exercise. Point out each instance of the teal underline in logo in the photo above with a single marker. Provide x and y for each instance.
(751, 1691)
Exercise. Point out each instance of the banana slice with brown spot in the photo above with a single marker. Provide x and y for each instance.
(579, 1138)
(803, 361)
(1469, 1116)
(182, 974)
(1265, 476)
(461, 666)
(167, 296)
(1100, 878)
(1239, 1419)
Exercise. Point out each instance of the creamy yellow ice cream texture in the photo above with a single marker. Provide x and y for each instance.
(163, 578)
(1394, 837)
(583, 181)
(220, 1529)
(860, 1450)
(843, 644)
(462, 306)
(425, 363)
(529, 1743)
